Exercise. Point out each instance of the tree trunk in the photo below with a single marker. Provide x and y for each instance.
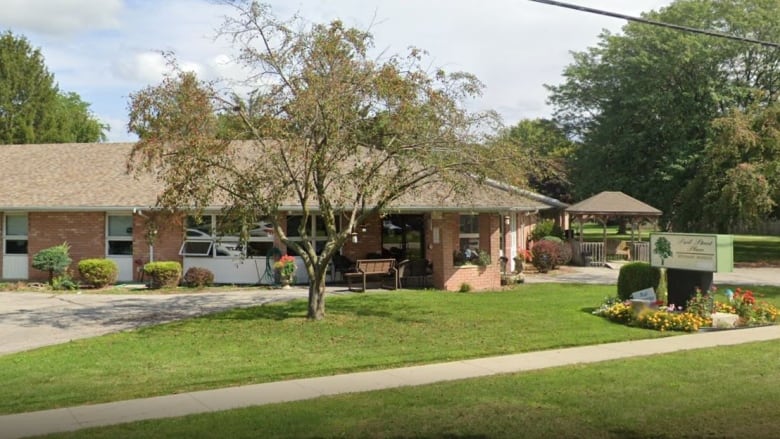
(317, 296)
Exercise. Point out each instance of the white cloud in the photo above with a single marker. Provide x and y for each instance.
(59, 17)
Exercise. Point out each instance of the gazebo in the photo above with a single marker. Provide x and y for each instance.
(609, 205)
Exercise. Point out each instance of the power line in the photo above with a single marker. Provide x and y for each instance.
(658, 23)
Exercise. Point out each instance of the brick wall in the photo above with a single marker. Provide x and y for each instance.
(85, 232)
(446, 275)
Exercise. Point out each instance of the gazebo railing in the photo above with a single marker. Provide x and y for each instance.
(592, 253)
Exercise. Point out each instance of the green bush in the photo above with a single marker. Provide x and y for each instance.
(545, 255)
(198, 277)
(163, 274)
(54, 260)
(546, 228)
(98, 272)
(636, 276)
(63, 282)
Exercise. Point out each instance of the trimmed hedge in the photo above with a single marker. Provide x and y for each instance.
(163, 274)
(198, 277)
(98, 272)
(636, 276)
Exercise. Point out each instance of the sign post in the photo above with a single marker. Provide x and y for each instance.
(690, 261)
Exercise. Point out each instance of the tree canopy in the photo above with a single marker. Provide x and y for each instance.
(32, 108)
(642, 104)
(334, 132)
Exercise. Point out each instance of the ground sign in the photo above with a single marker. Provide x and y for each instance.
(697, 252)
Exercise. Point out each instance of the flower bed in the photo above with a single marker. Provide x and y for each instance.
(697, 314)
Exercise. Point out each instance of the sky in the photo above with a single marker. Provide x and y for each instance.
(105, 50)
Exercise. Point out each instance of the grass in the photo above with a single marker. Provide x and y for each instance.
(275, 342)
(720, 392)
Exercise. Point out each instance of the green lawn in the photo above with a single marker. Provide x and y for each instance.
(275, 342)
(708, 393)
(390, 329)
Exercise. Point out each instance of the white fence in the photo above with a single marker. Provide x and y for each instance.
(593, 253)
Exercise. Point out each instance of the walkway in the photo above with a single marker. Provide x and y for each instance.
(74, 418)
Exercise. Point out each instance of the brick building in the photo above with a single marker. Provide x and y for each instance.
(82, 194)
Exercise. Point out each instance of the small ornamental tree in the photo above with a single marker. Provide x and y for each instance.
(330, 128)
(54, 260)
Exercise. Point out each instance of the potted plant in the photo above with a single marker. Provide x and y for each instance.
(285, 266)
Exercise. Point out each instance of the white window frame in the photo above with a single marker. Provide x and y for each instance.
(7, 237)
(218, 243)
(124, 238)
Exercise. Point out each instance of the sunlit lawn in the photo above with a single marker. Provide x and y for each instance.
(721, 392)
(275, 342)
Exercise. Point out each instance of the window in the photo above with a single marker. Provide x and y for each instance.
(212, 236)
(119, 238)
(315, 229)
(15, 236)
(469, 232)
(468, 243)
(403, 236)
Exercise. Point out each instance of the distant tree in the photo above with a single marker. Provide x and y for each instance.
(32, 109)
(334, 131)
(641, 104)
(541, 151)
(738, 180)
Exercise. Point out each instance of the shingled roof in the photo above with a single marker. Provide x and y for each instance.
(609, 203)
(71, 176)
(93, 176)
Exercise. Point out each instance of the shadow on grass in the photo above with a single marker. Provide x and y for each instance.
(272, 311)
(379, 306)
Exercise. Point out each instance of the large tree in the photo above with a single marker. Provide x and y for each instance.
(334, 132)
(738, 183)
(32, 108)
(540, 152)
(642, 103)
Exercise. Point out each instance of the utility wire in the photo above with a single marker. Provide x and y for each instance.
(658, 23)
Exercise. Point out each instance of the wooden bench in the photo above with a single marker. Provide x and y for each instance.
(365, 268)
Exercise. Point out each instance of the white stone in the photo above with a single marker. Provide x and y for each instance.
(724, 320)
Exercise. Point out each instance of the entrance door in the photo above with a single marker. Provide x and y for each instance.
(119, 245)
(403, 236)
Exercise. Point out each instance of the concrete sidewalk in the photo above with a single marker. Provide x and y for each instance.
(74, 418)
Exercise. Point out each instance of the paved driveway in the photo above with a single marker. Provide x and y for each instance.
(31, 320)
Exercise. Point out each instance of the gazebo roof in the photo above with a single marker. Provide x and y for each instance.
(612, 204)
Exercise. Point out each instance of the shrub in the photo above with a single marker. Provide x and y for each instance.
(163, 274)
(637, 276)
(198, 277)
(54, 260)
(465, 287)
(545, 255)
(63, 282)
(564, 249)
(98, 272)
(546, 228)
